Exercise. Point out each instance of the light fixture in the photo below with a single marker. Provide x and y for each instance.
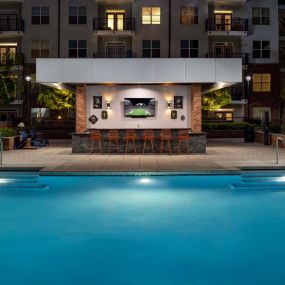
(168, 105)
(28, 78)
(59, 117)
(108, 105)
(223, 12)
(248, 78)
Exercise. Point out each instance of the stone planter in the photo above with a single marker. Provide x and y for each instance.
(9, 142)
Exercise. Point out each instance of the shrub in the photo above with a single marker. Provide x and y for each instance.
(274, 128)
(226, 126)
(283, 128)
(7, 132)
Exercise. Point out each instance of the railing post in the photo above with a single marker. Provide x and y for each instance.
(1, 151)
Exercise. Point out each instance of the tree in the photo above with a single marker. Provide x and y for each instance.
(7, 82)
(216, 100)
(57, 99)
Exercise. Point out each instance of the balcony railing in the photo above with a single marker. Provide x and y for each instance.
(101, 24)
(235, 25)
(11, 25)
(243, 56)
(127, 54)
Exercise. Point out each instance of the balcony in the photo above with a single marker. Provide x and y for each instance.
(11, 27)
(236, 27)
(122, 27)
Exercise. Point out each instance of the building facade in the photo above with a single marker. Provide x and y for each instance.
(149, 29)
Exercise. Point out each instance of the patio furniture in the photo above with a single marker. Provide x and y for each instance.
(183, 139)
(165, 140)
(148, 136)
(130, 136)
(96, 137)
(113, 137)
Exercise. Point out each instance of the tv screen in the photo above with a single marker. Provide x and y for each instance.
(139, 107)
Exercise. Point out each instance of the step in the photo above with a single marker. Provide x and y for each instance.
(13, 176)
(19, 188)
(17, 180)
(264, 179)
(264, 174)
(252, 187)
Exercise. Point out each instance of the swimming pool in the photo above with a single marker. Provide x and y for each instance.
(134, 230)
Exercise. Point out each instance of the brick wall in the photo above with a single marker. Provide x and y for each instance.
(259, 137)
(80, 125)
(196, 108)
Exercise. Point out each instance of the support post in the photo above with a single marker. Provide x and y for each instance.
(196, 108)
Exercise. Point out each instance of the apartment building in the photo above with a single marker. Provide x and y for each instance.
(104, 29)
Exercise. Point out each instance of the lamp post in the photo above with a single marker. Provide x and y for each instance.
(28, 79)
(248, 80)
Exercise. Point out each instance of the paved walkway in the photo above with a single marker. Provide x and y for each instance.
(222, 154)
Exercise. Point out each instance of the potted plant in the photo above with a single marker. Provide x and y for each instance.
(8, 136)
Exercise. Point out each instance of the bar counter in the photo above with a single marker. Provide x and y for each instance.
(81, 142)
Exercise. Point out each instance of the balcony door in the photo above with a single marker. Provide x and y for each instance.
(223, 22)
(7, 52)
(116, 20)
(115, 50)
(8, 22)
(223, 50)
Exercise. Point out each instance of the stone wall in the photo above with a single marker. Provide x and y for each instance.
(81, 143)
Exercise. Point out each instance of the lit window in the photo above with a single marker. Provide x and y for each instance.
(188, 15)
(261, 82)
(39, 48)
(151, 15)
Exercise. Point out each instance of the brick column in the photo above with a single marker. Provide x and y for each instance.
(80, 105)
(196, 108)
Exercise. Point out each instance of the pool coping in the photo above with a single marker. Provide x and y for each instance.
(42, 171)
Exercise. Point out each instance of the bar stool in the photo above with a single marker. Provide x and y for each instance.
(183, 137)
(95, 136)
(165, 139)
(113, 137)
(148, 136)
(130, 136)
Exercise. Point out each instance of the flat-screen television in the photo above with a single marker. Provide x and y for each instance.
(139, 107)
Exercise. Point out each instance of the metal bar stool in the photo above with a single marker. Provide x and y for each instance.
(95, 136)
(113, 137)
(183, 138)
(165, 140)
(130, 136)
(148, 136)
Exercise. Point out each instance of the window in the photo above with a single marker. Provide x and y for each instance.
(260, 16)
(261, 49)
(40, 48)
(151, 15)
(40, 15)
(151, 48)
(188, 15)
(77, 15)
(189, 48)
(77, 48)
(261, 82)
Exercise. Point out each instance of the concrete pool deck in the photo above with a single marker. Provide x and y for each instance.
(222, 154)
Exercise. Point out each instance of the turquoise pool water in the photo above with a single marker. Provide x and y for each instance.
(134, 230)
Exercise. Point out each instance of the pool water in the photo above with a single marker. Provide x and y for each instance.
(134, 230)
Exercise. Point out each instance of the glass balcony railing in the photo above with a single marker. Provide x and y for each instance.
(235, 25)
(104, 24)
(11, 25)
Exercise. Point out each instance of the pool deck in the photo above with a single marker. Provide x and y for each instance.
(227, 155)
